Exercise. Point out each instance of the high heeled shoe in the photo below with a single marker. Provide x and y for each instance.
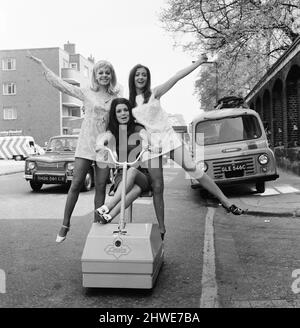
(234, 210)
(103, 217)
(60, 239)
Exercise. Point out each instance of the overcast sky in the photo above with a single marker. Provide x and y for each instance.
(125, 32)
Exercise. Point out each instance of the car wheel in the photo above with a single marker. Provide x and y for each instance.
(36, 186)
(18, 157)
(260, 187)
(88, 181)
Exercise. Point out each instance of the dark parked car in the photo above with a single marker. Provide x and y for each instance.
(56, 165)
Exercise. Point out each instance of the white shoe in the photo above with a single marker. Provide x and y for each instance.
(102, 209)
(60, 239)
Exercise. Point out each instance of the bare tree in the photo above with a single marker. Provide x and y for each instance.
(246, 35)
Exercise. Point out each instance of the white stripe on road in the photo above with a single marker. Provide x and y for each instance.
(209, 296)
(286, 189)
(279, 190)
(269, 192)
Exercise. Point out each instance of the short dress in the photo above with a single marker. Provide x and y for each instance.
(95, 118)
(156, 122)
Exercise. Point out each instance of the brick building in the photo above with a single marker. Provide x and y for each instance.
(276, 97)
(29, 105)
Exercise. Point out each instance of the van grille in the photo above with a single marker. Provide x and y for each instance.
(247, 161)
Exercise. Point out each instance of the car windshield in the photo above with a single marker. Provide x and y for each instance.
(228, 129)
(62, 144)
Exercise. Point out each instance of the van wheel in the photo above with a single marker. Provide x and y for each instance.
(88, 181)
(260, 187)
(36, 186)
(18, 157)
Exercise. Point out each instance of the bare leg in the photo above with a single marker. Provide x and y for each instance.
(183, 158)
(131, 196)
(130, 181)
(157, 182)
(81, 167)
(101, 177)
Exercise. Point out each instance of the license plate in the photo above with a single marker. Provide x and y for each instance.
(50, 179)
(233, 170)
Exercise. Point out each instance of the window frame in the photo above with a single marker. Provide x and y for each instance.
(5, 91)
(13, 113)
(74, 65)
(4, 64)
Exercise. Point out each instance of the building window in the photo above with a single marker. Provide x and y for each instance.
(74, 65)
(9, 88)
(65, 131)
(9, 113)
(8, 64)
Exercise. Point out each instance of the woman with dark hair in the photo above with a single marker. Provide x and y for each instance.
(126, 137)
(96, 101)
(148, 111)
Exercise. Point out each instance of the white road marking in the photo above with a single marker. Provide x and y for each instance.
(269, 192)
(286, 189)
(209, 296)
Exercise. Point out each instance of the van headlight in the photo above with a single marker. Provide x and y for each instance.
(263, 159)
(205, 167)
(70, 166)
(31, 165)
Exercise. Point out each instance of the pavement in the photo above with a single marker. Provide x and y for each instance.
(281, 198)
(11, 166)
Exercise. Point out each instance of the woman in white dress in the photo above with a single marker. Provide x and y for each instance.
(148, 112)
(96, 101)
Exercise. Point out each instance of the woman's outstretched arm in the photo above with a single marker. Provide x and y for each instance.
(56, 81)
(165, 87)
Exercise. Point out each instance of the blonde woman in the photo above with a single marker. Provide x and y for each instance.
(96, 101)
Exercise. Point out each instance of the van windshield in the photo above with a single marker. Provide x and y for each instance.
(228, 129)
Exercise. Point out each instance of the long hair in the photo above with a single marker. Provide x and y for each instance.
(132, 88)
(112, 88)
(113, 123)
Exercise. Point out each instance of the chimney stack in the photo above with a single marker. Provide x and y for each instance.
(70, 48)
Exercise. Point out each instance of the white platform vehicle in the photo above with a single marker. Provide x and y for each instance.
(124, 255)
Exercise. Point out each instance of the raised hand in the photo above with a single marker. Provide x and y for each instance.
(35, 59)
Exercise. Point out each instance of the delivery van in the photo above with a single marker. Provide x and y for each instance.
(235, 147)
(17, 147)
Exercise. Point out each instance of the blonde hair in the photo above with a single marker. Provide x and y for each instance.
(112, 88)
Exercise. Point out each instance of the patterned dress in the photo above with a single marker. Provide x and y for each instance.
(156, 123)
(95, 119)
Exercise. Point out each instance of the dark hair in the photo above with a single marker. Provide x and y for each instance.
(132, 88)
(113, 123)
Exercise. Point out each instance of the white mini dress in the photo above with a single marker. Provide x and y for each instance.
(156, 122)
(95, 118)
